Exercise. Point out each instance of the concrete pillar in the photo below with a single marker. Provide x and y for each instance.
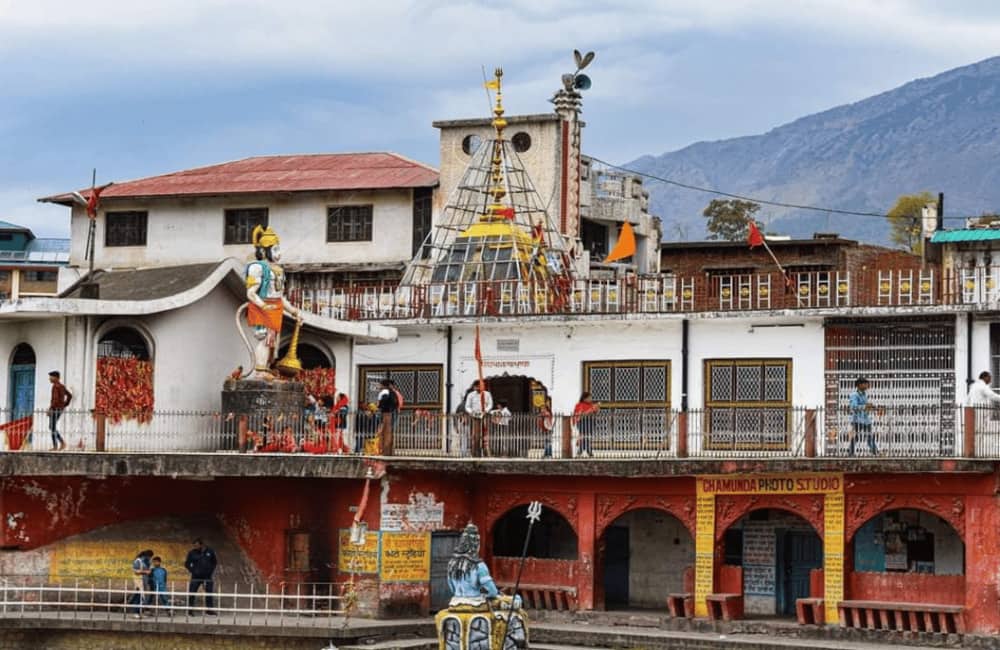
(586, 530)
(969, 432)
(810, 441)
(100, 429)
(982, 564)
(682, 434)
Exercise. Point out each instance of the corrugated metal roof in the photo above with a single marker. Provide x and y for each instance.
(294, 173)
(972, 234)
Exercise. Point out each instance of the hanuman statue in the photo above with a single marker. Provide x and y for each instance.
(267, 304)
(478, 616)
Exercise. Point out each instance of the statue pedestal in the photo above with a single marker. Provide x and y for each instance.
(263, 407)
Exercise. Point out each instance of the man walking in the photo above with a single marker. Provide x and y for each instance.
(60, 400)
(861, 419)
(201, 563)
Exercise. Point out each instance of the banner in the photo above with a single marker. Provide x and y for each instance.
(406, 557)
(833, 554)
(799, 483)
(704, 552)
(358, 559)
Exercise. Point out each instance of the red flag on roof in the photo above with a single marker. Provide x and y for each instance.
(755, 238)
(94, 200)
(506, 213)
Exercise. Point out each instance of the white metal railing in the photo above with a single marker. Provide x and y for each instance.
(920, 430)
(313, 604)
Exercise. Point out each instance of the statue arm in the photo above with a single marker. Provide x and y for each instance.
(290, 309)
(486, 581)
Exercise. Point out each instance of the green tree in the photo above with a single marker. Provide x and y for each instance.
(904, 221)
(729, 219)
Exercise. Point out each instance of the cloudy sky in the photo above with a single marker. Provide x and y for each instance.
(141, 88)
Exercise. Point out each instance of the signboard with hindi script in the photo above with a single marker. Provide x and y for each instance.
(406, 557)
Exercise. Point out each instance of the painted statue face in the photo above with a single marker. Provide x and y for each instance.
(276, 253)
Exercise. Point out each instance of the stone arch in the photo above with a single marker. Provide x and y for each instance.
(500, 504)
(313, 351)
(912, 536)
(862, 508)
(133, 336)
(611, 506)
(643, 554)
(730, 508)
(22, 353)
(553, 537)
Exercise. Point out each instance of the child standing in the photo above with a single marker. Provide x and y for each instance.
(159, 578)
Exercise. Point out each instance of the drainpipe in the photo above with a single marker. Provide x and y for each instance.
(968, 351)
(447, 390)
(684, 365)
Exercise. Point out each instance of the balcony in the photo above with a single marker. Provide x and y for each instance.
(656, 294)
(906, 432)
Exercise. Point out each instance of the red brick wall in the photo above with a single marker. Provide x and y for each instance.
(906, 588)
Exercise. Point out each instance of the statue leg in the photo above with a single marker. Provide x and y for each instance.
(262, 352)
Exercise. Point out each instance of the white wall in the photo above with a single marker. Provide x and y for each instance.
(191, 230)
(554, 352)
(46, 339)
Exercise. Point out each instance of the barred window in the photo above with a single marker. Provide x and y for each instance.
(421, 385)
(349, 223)
(628, 384)
(748, 403)
(240, 223)
(127, 228)
(634, 397)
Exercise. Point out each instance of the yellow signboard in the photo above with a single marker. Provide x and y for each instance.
(97, 562)
(833, 554)
(704, 550)
(406, 557)
(804, 483)
(355, 558)
(831, 485)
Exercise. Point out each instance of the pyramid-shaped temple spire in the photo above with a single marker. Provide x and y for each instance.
(494, 226)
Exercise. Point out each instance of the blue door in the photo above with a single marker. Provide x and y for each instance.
(799, 552)
(22, 390)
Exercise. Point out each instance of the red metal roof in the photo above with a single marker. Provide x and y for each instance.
(295, 173)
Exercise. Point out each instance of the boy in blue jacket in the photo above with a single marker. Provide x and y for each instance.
(158, 574)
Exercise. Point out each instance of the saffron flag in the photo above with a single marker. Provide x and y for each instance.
(94, 200)
(625, 246)
(506, 213)
(755, 238)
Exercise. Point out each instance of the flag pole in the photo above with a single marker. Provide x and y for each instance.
(763, 242)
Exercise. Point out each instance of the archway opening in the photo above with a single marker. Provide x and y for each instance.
(22, 382)
(319, 370)
(771, 556)
(124, 377)
(908, 541)
(521, 394)
(645, 555)
(552, 538)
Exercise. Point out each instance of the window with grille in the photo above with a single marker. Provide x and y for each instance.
(126, 228)
(634, 397)
(349, 223)
(421, 386)
(240, 223)
(748, 403)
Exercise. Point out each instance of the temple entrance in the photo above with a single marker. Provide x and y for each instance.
(776, 553)
(645, 554)
(521, 394)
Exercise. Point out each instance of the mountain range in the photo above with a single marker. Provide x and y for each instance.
(939, 134)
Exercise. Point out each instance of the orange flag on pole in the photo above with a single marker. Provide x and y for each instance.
(478, 354)
(625, 246)
(755, 238)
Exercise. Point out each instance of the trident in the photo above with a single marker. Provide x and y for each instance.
(534, 514)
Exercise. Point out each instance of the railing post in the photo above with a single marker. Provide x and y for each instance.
(242, 427)
(101, 429)
(969, 438)
(567, 437)
(682, 434)
(810, 432)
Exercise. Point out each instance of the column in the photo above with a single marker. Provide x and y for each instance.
(704, 552)
(587, 542)
(982, 564)
(833, 553)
